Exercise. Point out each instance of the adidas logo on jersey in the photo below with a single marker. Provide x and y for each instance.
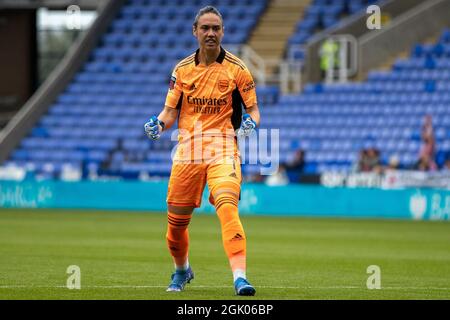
(237, 236)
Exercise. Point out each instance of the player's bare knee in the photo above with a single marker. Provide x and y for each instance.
(186, 210)
(226, 187)
(226, 193)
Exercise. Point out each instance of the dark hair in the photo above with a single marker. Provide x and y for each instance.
(205, 10)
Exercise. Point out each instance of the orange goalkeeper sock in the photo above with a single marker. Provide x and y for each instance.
(178, 239)
(233, 235)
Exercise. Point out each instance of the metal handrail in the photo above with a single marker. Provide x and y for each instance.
(288, 73)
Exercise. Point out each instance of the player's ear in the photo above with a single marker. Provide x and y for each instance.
(194, 30)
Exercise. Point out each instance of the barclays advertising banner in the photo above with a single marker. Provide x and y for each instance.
(256, 199)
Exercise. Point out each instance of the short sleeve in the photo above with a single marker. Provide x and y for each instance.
(175, 90)
(246, 87)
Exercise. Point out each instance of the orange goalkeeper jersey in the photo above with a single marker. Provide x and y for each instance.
(210, 98)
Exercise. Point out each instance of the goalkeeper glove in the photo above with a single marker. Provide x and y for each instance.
(248, 125)
(152, 128)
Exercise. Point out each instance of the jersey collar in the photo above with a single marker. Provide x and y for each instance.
(219, 59)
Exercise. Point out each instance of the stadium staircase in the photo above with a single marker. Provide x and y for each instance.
(274, 28)
(285, 28)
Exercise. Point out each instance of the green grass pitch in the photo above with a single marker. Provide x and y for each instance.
(123, 255)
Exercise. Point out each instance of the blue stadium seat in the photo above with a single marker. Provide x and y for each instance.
(125, 81)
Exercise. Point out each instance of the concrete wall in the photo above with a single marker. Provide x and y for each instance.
(17, 60)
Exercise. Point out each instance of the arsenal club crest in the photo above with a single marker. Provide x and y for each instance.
(223, 85)
(172, 81)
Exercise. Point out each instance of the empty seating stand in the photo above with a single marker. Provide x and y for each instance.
(334, 122)
(97, 122)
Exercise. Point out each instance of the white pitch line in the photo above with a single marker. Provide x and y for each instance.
(223, 286)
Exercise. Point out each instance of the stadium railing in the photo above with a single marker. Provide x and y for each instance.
(354, 25)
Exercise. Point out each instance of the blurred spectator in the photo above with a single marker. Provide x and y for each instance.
(369, 161)
(427, 151)
(295, 168)
(446, 166)
(394, 163)
(428, 141)
(356, 165)
(108, 162)
(329, 59)
(279, 178)
(298, 162)
(255, 178)
(425, 164)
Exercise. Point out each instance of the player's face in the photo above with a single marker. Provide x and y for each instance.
(209, 31)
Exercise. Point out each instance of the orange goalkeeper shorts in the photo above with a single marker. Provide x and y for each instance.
(187, 181)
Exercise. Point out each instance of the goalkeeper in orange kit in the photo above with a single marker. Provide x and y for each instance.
(206, 94)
